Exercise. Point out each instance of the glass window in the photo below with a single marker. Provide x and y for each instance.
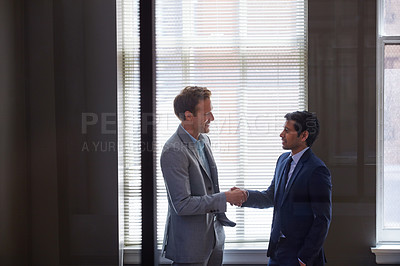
(388, 136)
(252, 55)
(129, 143)
(391, 155)
(391, 17)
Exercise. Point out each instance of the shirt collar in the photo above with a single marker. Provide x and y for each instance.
(298, 155)
(191, 137)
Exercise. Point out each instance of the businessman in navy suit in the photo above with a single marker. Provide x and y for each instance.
(301, 194)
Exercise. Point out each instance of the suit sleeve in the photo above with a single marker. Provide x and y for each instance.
(175, 168)
(320, 193)
(261, 199)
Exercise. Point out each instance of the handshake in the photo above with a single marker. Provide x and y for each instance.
(236, 196)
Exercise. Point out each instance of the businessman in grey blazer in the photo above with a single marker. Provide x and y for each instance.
(194, 233)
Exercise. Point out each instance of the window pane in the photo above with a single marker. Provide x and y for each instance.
(129, 152)
(391, 136)
(391, 17)
(252, 55)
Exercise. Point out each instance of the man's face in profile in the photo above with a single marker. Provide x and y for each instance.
(290, 139)
(201, 121)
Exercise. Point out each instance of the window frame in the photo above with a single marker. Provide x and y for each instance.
(242, 255)
(382, 235)
(387, 249)
(231, 257)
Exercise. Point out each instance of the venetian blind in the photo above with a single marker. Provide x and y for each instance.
(252, 55)
(129, 121)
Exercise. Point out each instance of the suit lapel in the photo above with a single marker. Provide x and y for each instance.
(192, 147)
(211, 162)
(296, 172)
(292, 179)
(281, 170)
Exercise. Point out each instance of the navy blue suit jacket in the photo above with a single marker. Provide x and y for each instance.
(305, 209)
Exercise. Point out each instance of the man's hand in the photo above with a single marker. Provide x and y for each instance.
(236, 196)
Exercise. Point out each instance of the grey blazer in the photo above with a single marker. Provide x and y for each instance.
(195, 205)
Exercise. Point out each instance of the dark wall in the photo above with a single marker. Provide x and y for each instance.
(342, 88)
(59, 193)
(42, 167)
(14, 213)
(86, 104)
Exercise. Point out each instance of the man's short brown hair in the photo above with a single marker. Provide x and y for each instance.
(187, 100)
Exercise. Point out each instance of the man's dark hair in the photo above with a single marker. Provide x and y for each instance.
(187, 100)
(305, 121)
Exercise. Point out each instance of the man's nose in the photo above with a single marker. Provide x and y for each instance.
(211, 117)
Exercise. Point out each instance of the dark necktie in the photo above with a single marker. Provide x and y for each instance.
(276, 224)
(287, 170)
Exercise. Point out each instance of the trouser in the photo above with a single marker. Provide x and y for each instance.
(216, 256)
(215, 259)
(285, 254)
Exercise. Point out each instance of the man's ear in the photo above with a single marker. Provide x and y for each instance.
(304, 135)
(188, 116)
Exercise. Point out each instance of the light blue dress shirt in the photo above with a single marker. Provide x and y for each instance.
(296, 159)
(200, 149)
